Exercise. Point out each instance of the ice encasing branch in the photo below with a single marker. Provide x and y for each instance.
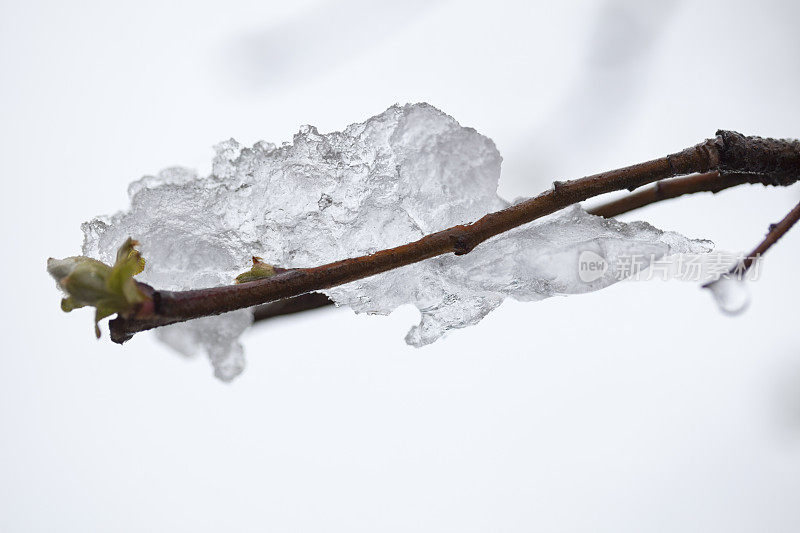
(728, 159)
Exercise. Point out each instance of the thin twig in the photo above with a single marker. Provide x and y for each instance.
(290, 306)
(668, 189)
(776, 231)
(768, 161)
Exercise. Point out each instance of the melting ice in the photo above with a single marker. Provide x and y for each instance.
(407, 172)
(730, 293)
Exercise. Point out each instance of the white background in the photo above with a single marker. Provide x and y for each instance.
(637, 408)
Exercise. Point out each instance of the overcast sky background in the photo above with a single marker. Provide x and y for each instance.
(636, 408)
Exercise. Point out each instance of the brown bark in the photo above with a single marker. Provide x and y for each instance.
(767, 161)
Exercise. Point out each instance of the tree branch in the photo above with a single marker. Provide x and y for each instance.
(712, 182)
(290, 306)
(666, 190)
(776, 231)
(767, 161)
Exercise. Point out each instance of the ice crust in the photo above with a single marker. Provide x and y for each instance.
(407, 172)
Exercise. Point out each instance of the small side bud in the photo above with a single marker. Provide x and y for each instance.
(259, 270)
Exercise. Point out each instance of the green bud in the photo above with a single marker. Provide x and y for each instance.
(260, 270)
(89, 282)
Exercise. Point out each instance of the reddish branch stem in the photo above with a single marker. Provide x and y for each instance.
(776, 231)
(767, 161)
(289, 306)
(668, 189)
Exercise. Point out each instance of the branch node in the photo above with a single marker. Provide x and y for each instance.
(461, 241)
(776, 161)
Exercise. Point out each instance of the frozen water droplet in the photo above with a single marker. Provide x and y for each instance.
(731, 295)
